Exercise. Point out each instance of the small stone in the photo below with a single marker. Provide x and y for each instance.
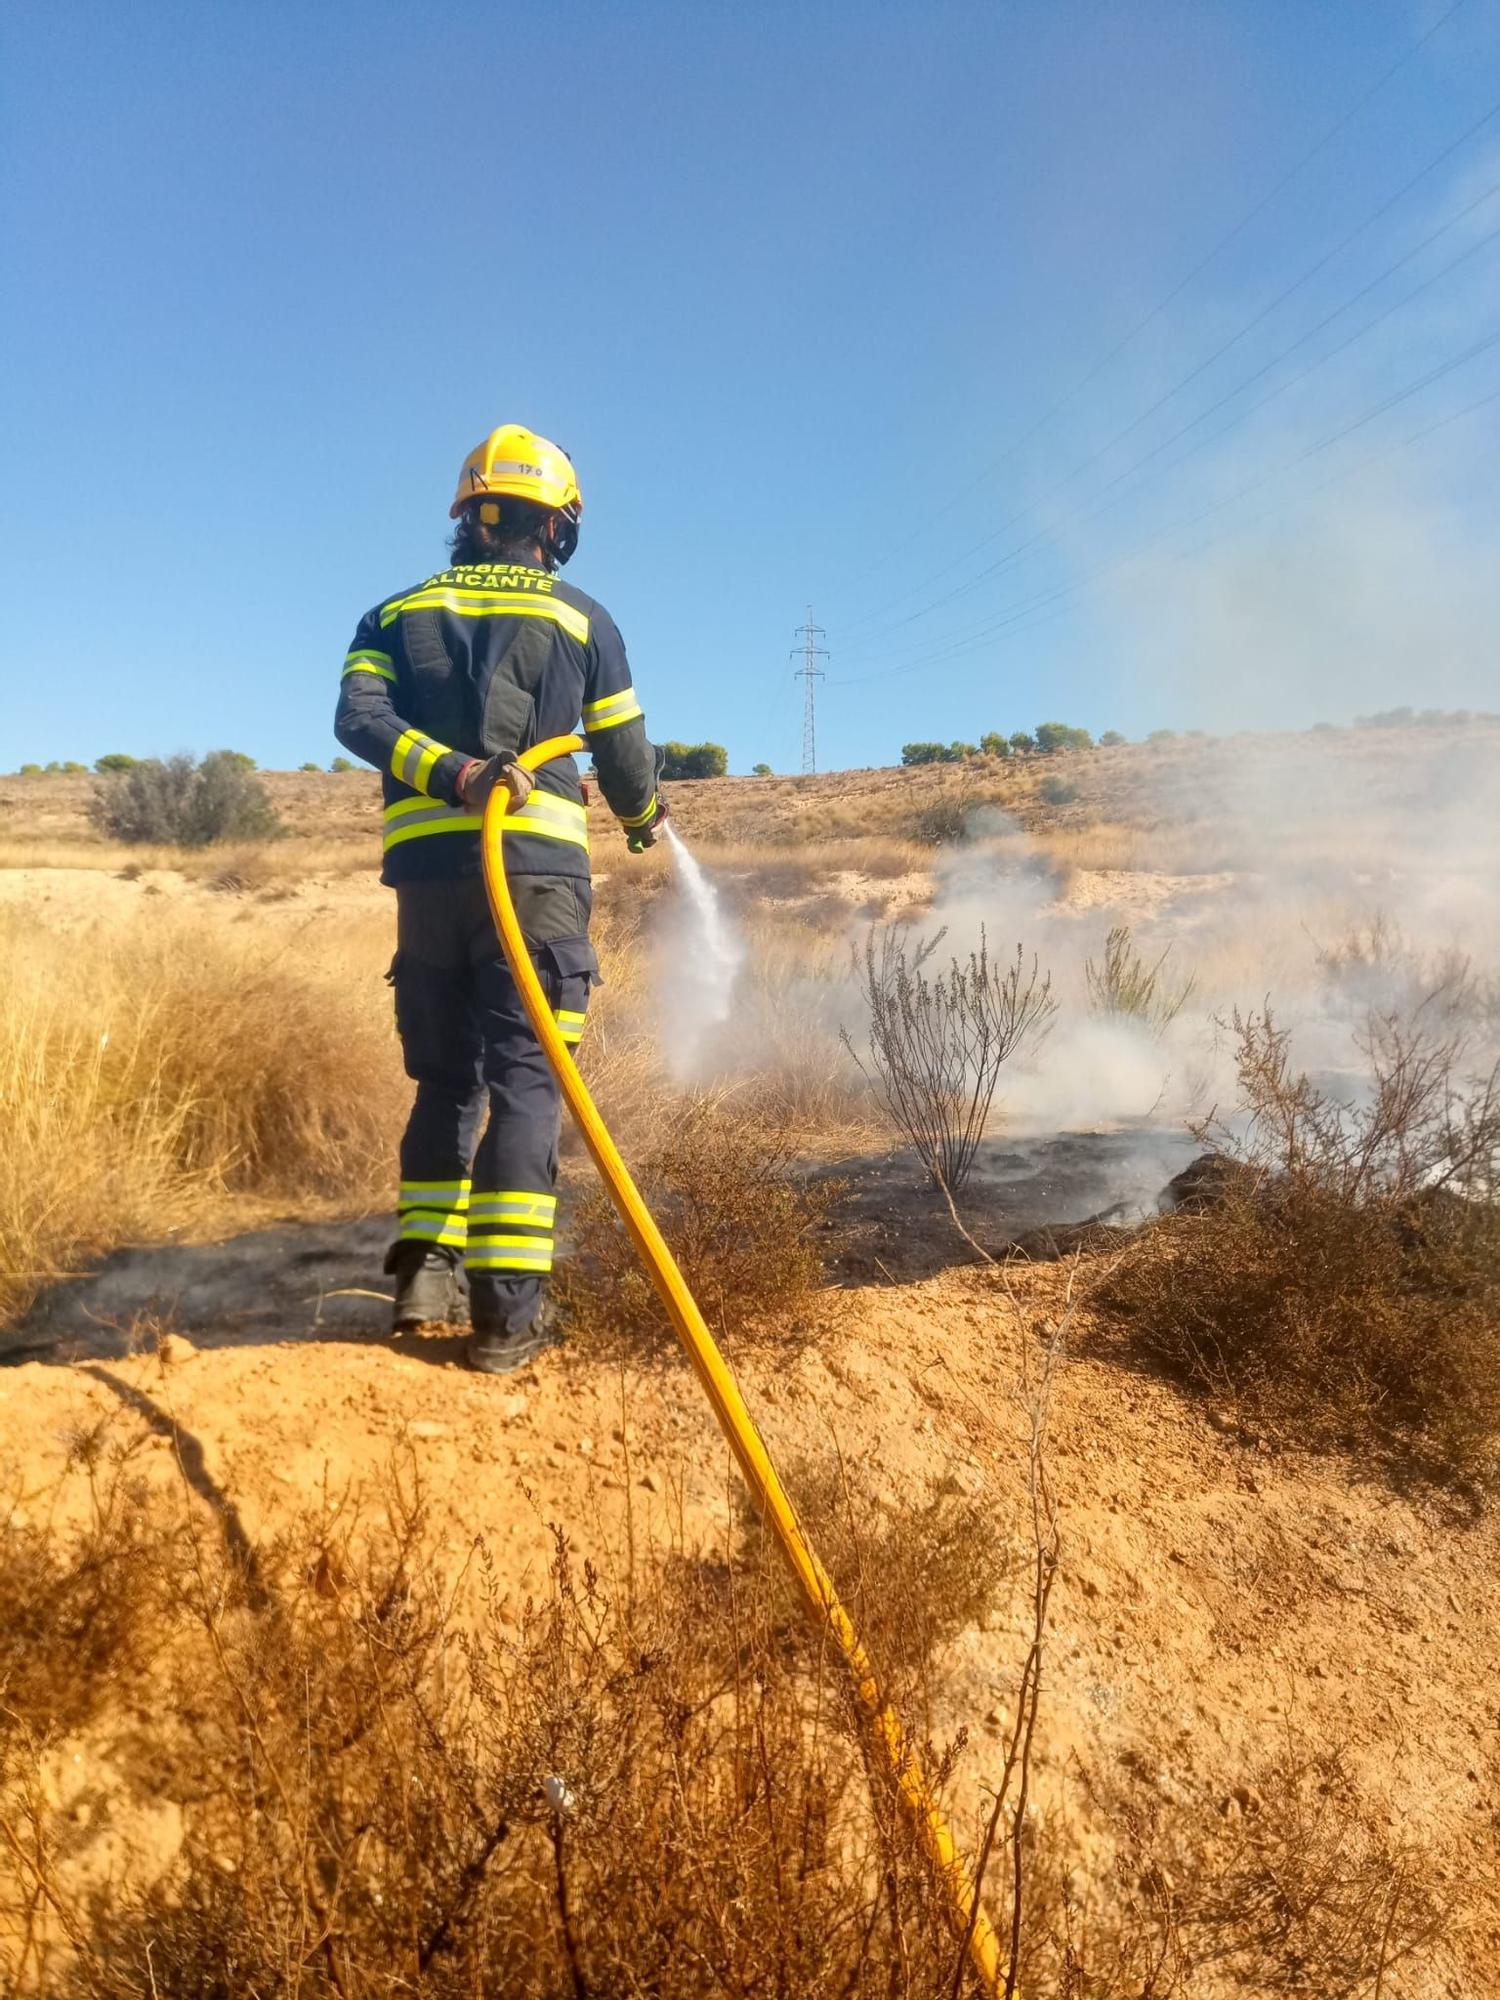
(175, 1350)
(651, 1481)
(997, 1717)
(18, 1518)
(426, 1427)
(512, 1408)
(1248, 1800)
(586, 1447)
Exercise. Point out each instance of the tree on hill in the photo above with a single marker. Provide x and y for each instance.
(995, 745)
(309, 767)
(1054, 736)
(760, 770)
(175, 802)
(1021, 741)
(341, 764)
(1111, 739)
(29, 771)
(114, 760)
(694, 760)
(936, 753)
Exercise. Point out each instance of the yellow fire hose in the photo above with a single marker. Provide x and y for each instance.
(723, 1391)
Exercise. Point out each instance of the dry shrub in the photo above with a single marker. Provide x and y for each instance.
(1346, 1284)
(938, 1043)
(150, 1068)
(1122, 985)
(388, 1778)
(629, 1790)
(740, 1223)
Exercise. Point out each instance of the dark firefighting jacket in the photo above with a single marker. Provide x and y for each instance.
(486, 660)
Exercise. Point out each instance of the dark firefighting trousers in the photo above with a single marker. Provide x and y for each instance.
(468, 1047)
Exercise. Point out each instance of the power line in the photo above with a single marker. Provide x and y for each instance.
(1221, 244)
(977, 636)
(1093, 458)
(809, 673)
(1081, 514)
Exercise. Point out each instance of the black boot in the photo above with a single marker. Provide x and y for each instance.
(492, 1350)
(429, 1285)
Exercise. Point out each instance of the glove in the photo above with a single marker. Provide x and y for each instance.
(479, 778)
(639, 838)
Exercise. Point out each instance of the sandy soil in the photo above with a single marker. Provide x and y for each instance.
(1216, 1601)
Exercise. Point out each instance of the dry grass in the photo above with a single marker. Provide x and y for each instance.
(742, 1227)
(384, 1777)
(1344, 1284)
(149, 1069)
(291, 860)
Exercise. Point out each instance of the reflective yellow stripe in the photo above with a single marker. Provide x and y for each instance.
(413, 756)
(448, 1230)
(455, 1190)
(509, 1253)
(419, 817)
(515, 1205)
(492, 604)
(631, 714)
(367, 661)
(570, 1024)
(556, 819)
(640, 818)
(608, 704)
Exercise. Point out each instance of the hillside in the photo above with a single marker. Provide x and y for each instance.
(338, 1603)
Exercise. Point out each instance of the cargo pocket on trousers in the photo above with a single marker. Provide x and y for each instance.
(570, 971)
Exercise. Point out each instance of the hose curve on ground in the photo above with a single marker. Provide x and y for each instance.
(723, 1393)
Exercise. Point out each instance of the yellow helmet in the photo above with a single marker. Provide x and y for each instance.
(516, 461)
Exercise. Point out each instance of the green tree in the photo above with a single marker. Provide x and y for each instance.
(1058, 791)
(995, 745)
(30, 771)
(309, 767)
(176, 802)
(114, 760)
(1021, 741)
(236, 757)
(929, 753)
(74, 769)
(1111, 739)
(694, 760)
(760, 770)
(54, 767)
(341, 764)
(1054, 736)
(1162, 736)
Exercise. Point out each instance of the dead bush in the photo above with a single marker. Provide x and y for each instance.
(1346, 1287)
(741, 1224)
(634, 1792)
(937, 1044)
(1122, 985)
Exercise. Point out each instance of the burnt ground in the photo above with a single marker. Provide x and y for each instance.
(1035, 1197)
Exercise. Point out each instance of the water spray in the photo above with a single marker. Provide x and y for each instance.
(708, 960)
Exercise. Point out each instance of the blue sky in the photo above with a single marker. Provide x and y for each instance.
(817, 295)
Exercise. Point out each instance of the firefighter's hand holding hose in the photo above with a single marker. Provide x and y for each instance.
(479, 777)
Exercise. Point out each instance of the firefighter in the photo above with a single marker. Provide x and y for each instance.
(443, 687)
